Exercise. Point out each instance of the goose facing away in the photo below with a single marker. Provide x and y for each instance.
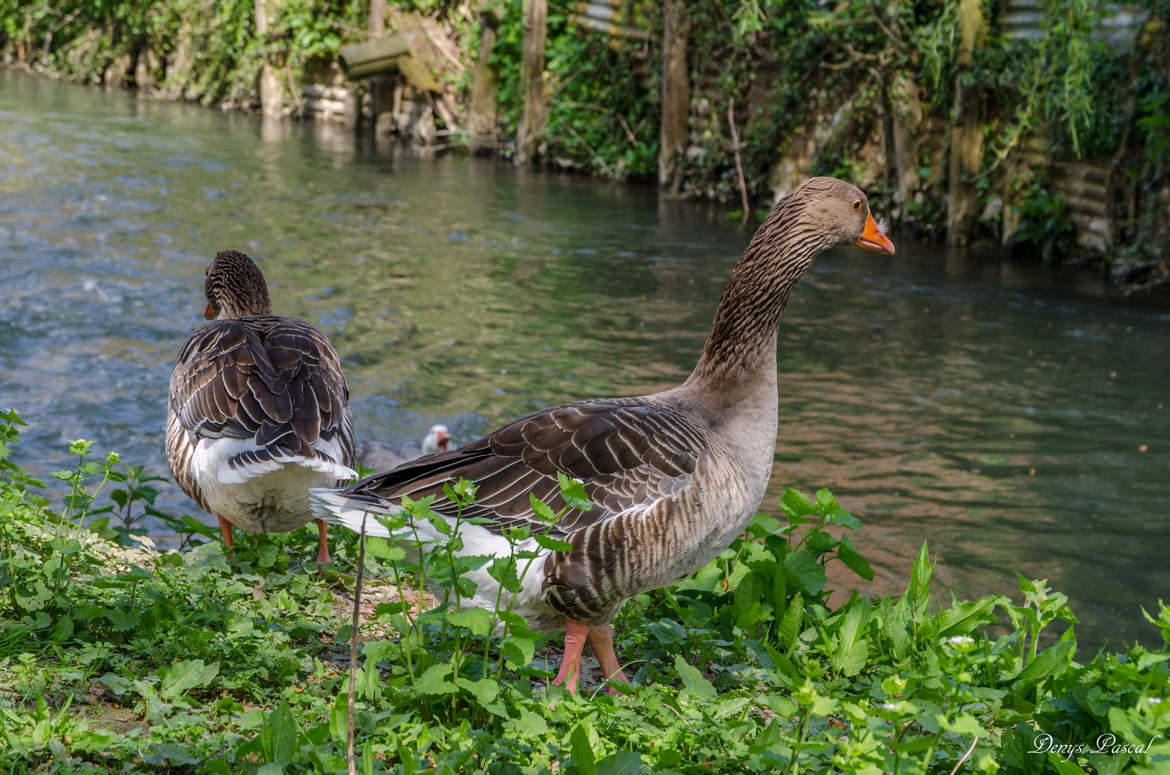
(673, 476)
(258, 409)
(384, 457)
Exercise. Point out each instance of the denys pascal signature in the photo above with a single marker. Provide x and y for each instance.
(1105, 743)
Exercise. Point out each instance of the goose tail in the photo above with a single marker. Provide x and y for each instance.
(336, 508)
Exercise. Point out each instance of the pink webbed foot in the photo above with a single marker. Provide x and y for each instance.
(322, 543)
(575, 636)
(601, 641)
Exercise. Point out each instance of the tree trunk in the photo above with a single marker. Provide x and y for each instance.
(271, 98)
(904, 104)
(482, 118)
(377, 17)
(532, 122)
(966, 135)
(377, 85)
(676, 95)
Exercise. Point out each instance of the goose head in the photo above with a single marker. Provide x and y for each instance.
(235, 287)
(437, 440)
(822, 213)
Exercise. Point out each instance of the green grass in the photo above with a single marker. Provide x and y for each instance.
(115, 657)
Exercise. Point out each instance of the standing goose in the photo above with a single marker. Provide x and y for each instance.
(674, 476)
(258, 409)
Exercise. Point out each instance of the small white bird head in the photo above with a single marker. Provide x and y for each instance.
(437, 440)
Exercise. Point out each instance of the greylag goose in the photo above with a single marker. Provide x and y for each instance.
(383, 457)
(673, 476)
(258, 409)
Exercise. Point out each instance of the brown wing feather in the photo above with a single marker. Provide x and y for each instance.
(276, 379)
(629, 452)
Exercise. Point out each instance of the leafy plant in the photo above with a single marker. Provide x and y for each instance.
(1045, 224)
(192, 660)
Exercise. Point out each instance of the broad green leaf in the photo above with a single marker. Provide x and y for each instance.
(529, 723)
(503, 570)
(434, 681)
(848, 554)
(186, 675)
(693, 681)
(62, 630)
(789, 626)
(573, 491)
(964, 725)
(278, 736)
(339, 720)
(552, 544)
(620, 763)
(962, 618)
(795, 505)
(1050, 661)
(485, 689)
(582, 751)
(541, 509)
(819, 542)
(839, 516)
(381, 549)
(478, 620)
(805, 572)
(851, 648)
(918, 592)
(1063, 766)
(519, 649)
(897, 625)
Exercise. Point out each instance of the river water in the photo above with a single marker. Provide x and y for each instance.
(1016, 420)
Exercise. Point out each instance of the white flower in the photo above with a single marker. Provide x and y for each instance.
(889, 706)
(961, 640)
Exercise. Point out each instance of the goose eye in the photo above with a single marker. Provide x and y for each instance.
(856, 204)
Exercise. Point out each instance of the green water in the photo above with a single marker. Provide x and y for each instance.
(989, 407)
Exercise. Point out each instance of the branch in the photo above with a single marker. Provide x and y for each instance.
(965, 756)
(738, 165)
(353, 640)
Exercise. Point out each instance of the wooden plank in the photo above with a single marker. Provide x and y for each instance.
(374, 56)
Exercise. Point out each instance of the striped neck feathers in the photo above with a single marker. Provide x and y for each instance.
(742, 341)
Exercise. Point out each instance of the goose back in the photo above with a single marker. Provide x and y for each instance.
(273, 383)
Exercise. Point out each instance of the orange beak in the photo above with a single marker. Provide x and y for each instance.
(211, 313)
(444, 439)
(873, 238)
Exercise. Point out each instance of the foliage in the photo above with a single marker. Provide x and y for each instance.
(181, 662)
(1045, 224)
(207, 52)
(602, 93)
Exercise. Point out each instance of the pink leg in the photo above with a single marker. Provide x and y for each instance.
(601, 640)
(323, 543)
(575, 635)
(225, 527)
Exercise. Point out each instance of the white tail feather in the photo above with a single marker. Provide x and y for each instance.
(242, 472)
(336, 509)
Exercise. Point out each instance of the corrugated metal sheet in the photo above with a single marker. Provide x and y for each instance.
(1024, 20)
(608, 17)
(1084, 186)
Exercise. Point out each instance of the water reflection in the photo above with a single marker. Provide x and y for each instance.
(992, 408)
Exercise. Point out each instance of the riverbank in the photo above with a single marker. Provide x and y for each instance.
(970, 122)
(116, 658)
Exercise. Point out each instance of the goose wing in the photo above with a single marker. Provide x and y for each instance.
(277, 380)
(629, 452)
